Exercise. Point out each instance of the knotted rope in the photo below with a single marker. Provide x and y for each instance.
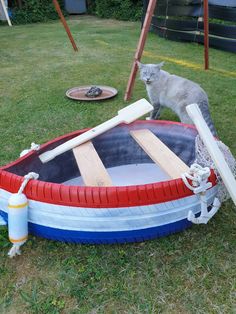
(198, 176)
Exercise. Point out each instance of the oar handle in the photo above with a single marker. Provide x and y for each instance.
(126, 115)
(86, 136)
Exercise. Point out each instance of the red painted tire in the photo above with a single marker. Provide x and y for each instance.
(99, 197)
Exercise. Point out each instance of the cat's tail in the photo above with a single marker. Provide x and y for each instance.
(203, 105)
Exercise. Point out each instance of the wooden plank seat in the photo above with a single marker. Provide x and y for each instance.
(90, 165)
(160, 153)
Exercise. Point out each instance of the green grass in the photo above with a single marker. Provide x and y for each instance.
(190, 272)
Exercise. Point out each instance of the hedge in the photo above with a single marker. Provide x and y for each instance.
(118, 9)
(34, 11)
(43, 10)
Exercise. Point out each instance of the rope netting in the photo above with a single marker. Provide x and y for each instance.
(204, 159)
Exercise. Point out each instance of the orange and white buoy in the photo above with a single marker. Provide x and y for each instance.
(18, 217)
(17, 222)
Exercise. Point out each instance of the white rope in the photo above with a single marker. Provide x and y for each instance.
(15, 250)
(199, 177)
(32, 147)
(29, 176)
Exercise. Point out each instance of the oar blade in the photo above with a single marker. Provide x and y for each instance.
(135, 110)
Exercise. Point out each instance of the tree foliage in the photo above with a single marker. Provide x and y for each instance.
(33, 11)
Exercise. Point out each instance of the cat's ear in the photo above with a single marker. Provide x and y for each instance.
(160, 65)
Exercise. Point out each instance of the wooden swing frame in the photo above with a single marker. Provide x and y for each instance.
(63, 21)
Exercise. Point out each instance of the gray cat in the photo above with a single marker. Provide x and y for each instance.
(174, 92)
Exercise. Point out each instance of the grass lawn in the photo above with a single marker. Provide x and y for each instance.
(190, 272)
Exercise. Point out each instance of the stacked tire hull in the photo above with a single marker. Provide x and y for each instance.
(106, 214)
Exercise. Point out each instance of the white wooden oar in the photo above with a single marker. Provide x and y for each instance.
(213, 149)
(125, 115)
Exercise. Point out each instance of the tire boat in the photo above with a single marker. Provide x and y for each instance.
(143, 203)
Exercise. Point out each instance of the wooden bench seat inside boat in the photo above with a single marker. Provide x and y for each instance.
(90, 165)
(160, 153)
(94, 173)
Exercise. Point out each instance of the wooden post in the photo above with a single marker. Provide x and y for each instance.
(206, 34)
(140, 48)
(6, 13)
(58, 9)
